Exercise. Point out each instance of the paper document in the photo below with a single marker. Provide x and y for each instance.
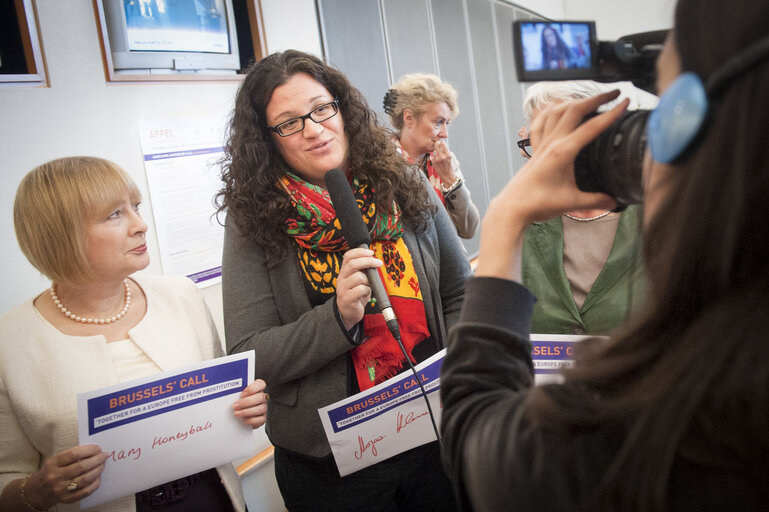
(167, 426)
(385, 420)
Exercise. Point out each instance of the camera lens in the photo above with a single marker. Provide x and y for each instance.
(613, 162)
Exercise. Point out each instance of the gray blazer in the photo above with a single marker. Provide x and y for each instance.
(301, 351)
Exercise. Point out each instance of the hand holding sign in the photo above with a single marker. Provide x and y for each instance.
(67, 477)
(251, 408)
(171, 424)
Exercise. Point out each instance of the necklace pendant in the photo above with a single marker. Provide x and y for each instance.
(85, 320)
(587, 219)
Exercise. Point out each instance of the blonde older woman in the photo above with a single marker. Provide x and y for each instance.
(77, 220)
(421, 107)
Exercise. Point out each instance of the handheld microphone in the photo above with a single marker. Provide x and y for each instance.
(356, 234)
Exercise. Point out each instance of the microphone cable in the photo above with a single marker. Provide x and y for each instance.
(421, 387)
(356, 233)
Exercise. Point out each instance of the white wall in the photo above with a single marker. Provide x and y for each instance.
(618, 18)
(552, 9)
(298, 31)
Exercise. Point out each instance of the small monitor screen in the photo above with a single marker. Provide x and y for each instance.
(553, 46)
(177, 26)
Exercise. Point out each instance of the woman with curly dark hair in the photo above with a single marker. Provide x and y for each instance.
(297, 294)
(555, 52)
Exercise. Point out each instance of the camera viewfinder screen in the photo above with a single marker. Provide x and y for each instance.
(173, 26)
(554, 46)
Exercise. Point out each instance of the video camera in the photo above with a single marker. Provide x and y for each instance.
(570, 50)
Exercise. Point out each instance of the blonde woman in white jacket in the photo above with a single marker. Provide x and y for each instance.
(77, 221)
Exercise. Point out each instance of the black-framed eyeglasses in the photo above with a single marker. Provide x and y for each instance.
(296, 124)
(525, 145)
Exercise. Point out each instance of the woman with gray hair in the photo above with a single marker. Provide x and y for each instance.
(582, 265)
(421, 107)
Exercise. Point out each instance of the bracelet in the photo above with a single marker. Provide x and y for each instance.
(24, 497)
(456, 184)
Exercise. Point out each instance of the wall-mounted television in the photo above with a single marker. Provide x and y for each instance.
(172, 36)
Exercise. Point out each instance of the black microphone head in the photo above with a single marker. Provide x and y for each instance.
(350, 218)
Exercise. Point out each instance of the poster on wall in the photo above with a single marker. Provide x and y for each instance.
(180, 159)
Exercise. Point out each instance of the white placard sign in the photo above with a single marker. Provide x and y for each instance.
(167, 426)
(392, 417)
(550, 353)
(385, 420)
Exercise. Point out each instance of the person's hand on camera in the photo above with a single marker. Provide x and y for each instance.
(67, 477)
(545, 186)
(352, 287)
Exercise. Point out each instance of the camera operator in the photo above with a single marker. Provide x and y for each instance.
(672, 413)
(581, 265)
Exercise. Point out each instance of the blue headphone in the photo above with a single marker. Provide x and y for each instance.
(682, 113)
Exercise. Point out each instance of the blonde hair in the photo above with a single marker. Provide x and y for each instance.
(413, 92)
(53, 205)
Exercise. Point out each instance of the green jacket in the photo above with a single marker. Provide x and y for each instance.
(618, 286)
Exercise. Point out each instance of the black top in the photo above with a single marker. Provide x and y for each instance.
(499, 462)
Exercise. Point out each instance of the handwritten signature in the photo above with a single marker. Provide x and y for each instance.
(371, 444)
(133, 453)
(402, 422)
(180, 436)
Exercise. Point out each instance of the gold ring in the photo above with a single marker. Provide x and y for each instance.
(72, 486)
(266, 397)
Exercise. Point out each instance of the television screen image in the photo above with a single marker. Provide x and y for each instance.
(176, 25)
(552, 46)
(157, 37)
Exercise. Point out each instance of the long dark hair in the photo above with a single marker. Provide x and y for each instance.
(560, 52)
(691, 372)
(252, 164)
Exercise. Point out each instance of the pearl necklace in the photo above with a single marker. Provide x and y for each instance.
(588, 219)
(100, 321)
